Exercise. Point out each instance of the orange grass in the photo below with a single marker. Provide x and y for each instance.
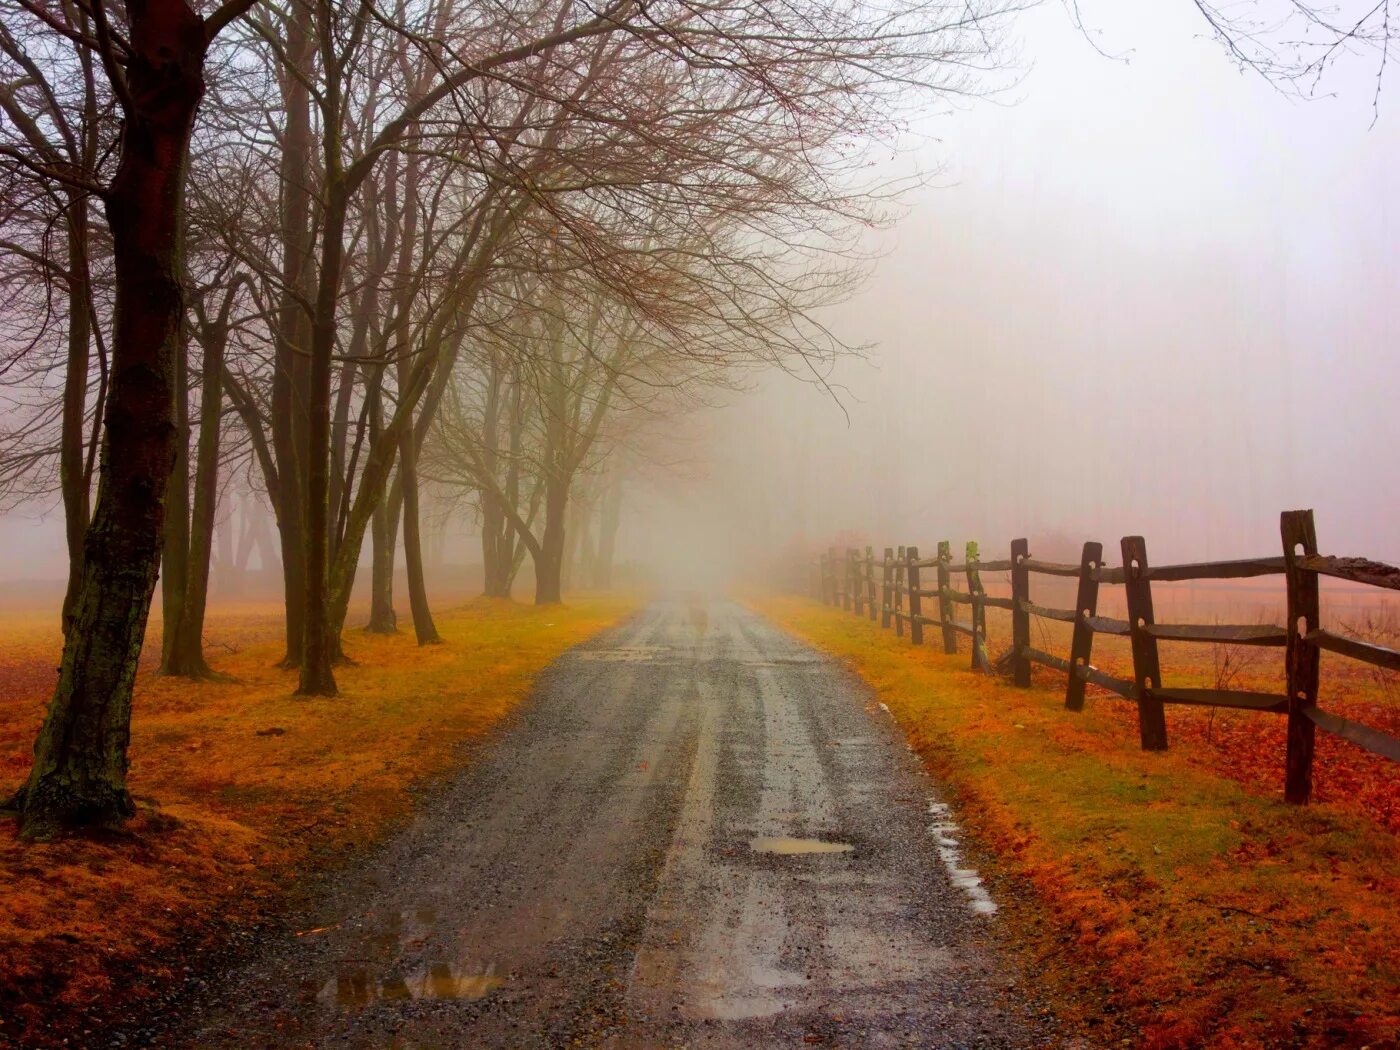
(239, 786)
(1199, 908)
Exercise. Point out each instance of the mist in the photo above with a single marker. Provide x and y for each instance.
(1143, 294)
(1141, 290)
(452, 463)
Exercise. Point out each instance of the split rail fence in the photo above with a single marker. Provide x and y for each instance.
(897, 599)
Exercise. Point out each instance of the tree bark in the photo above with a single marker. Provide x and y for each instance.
(577, 560)
(549, 562)
(496, 548)
(340, 432)
(291, 374)
(495, 532)
(72, 461)
(423, 625)
(80, 756)
(186, 657)
(611, 518)
(382, 618)
(319, 639)
(175, 551)
(225, 577)
(383, 534)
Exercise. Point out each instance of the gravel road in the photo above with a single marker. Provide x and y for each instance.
(698, 832)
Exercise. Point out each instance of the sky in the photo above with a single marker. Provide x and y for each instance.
(1147, 295)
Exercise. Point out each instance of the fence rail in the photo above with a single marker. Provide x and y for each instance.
(897, 600)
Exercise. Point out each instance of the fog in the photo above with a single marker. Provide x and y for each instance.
(1147, 295)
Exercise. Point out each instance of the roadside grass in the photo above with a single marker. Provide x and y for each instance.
(1162, 900)
(240, 787)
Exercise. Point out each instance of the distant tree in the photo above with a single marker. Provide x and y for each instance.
(56, 141)
(687, 178)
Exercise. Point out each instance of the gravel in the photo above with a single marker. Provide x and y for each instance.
(592, 877)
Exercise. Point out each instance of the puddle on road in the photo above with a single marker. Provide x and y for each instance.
(356, 987)
(404, 929)
(388, 939)
(944, 832)
(626, 654)
(794, 847)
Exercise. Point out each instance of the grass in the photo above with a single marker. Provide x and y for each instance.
(240, 785)
(1162, 899)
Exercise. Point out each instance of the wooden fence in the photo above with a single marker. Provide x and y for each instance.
(897, 599)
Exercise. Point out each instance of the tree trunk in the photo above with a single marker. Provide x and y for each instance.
(72, 460)
(382, 618)
(423, 625)
(175, 552)
(496, 548)
(383, 529)
(228, 577)
(340, 432)
(247, 536)
(320, 640)
(549, 562)
(611, 518)
(80, 756)
(291, 374)
(373, 482)
(187, 656)
(269, 553)
(578, 543)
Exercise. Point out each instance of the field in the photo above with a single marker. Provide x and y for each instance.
(238, 784)
(1245, 746)
(1169, 898)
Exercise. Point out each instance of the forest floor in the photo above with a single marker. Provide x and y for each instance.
(239, 786)
(1174, 891)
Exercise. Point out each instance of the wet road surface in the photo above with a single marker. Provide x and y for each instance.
(698, 832)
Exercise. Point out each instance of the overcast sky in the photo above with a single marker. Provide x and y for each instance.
(1151, 295)
(1147, 296)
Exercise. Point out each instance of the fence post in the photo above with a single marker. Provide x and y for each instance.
(1302, 656)
(945, 604)
(916, 604)
(857, 582)
(899, 593)
(870, 589)
(980, 661)
(887, 587)
(1086, 604)
(846, 598)
(1152, 722)
(1020, 618)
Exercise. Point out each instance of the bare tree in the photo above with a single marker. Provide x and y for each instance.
(1295, 44)
(154, 66)
(680, 174)
(58, 120)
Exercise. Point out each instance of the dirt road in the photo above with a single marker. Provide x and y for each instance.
(697, 833)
